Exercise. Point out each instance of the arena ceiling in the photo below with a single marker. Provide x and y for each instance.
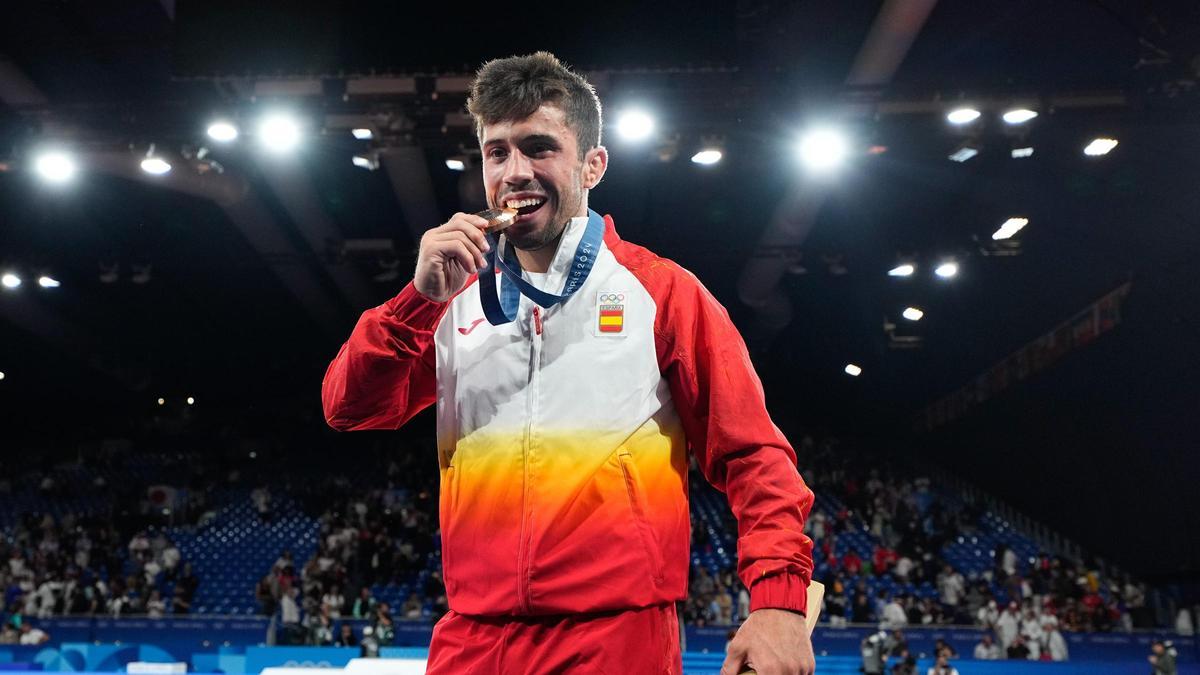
(258, 266)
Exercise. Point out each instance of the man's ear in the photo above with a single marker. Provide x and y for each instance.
(595, 163)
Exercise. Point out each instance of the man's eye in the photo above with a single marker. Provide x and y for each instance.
(497, 153)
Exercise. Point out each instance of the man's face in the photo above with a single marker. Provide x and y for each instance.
(536, 162)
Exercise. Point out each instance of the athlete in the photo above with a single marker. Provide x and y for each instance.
(572, 373)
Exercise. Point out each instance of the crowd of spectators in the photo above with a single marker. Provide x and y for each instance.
(368, 537)
(910, 522)
(83, 566)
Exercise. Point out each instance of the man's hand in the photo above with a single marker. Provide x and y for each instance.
(450, 253)
(772, 642)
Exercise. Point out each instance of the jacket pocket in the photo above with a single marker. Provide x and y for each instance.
(637, 505)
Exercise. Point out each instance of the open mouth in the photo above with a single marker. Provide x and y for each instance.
(525, 207)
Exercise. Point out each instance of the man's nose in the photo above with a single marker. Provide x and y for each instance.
(518, 169)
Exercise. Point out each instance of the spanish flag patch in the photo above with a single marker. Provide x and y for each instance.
(612, 312)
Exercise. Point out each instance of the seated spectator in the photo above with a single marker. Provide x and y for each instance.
(894, 615)
(906, 664)
(320, 629)
(364, 605)
(862, 612)
(942, 667)
(943, 648)
(851, 563)
(1017, 649)
(346, 637)
(156, 606)
(1053, 645)
(987, 649)
(180, 603)
(385, 631)
(31, 635)
(412, 607)
(333, 600)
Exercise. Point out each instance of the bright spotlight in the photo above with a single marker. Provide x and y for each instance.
(10, 280)
(363, 134)
(963, 154)
(912, 314)
(162, 401)
(946, 270)
(367, 162)
(191, 401)
(1019, 115)
(1020, 153)
(55, 167)
(635, 125)
(1, 375)
(222, 132)
(279, 133)
(156, 166)
(1010, 228)
(1100, 146)
(905, 270)
(853, 370)
(707, 157)
(962, 115)
(456, 165)
(48, 282)
(823, 149)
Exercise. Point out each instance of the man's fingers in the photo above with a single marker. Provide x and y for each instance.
(472, 226)
(475, 258)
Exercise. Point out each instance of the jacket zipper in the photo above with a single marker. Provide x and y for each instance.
(526, 534)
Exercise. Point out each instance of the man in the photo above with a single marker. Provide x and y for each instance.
(1162, 658)
(987, 650)
(564, 425)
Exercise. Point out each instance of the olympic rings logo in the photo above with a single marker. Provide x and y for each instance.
(612, 297)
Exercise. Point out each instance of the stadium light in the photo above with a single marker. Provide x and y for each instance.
(48, 282)
(10, 280)
(155, 166)
(191, 400)
(1009, 228)
(1020, 153)
(222, 131)
(823, 149)
(162, 401)
(55, 166)
(963, 153)
(369, 162)
(456, 165)
(1, 374)
(707, 157)
(905, 270)
(947, 270)
(635, 125)
(1100, 146)
(853, 370)
(363, 133)
(279, 133)
(1019, 115)
(962, 115)
(912, 314)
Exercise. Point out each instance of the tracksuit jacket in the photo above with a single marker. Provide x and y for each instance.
(563, 436)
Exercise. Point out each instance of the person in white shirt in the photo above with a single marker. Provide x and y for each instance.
(33, 636)
(942, 667)
(951, 586)
(289, 609)
(988, 615)
(1008, 625)
(893, 615)
(334, 601)
(1053, 642)
(987, 649)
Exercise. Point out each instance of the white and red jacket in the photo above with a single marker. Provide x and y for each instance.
(563, 436)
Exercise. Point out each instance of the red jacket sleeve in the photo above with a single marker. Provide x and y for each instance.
(385, 373)
(721, 403)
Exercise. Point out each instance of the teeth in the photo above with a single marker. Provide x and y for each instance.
(521, 203)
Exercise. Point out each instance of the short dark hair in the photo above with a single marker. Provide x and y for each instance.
(514, 88)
